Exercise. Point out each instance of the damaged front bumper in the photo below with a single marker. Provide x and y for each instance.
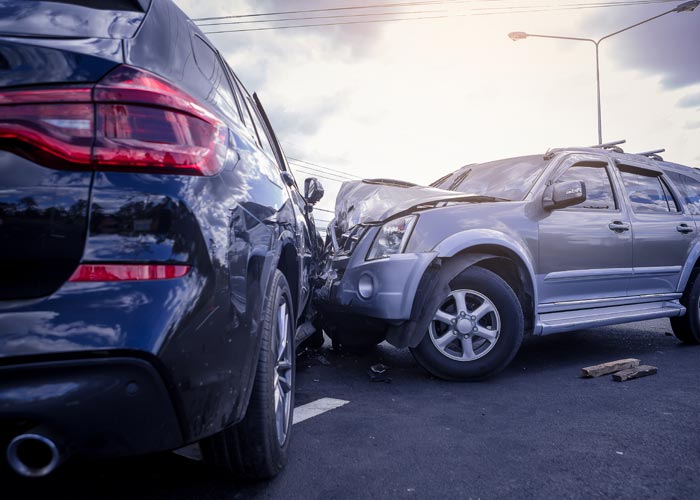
(384, 288)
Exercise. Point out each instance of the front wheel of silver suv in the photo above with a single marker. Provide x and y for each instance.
(476, 330)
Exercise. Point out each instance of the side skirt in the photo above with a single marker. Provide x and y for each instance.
(566, 321)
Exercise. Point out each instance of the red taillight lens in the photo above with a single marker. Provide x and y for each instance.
(53, 127)
(145, 122)
(127, 272)
(131, 121)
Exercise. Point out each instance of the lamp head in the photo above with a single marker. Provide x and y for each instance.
(687, 6)
(521, 35)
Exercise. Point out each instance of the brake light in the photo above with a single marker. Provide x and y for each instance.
(131, 120)
(127, 272)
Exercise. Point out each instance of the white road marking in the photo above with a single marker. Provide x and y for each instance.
(315, 408)
(301, 413)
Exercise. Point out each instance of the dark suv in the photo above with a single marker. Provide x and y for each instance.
(156, 252)
(536, 245)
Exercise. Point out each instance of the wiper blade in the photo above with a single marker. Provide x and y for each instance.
(458, 180)
(479, 199)
(463, 199)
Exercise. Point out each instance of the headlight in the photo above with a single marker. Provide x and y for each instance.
(392, 237)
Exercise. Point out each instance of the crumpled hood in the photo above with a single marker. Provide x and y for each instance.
(372, 201)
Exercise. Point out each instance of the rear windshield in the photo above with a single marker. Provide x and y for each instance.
(509, 179)
(71, 18)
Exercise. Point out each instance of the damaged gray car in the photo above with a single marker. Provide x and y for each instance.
(462, 270)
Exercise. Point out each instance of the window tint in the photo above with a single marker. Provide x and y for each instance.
(204, 57)
(646, 192)
(262, 135)
(689, 189)
(599, 192)
(220, 95)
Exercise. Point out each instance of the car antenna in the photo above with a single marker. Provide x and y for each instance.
(653, 154)
(611, 146)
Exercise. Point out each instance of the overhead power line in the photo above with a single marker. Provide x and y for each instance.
(306, 18)
(474, 12)
(310, 173)
(331, 170)
(335, 9)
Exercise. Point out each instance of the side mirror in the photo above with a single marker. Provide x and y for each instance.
(564, 194)
(313, 190)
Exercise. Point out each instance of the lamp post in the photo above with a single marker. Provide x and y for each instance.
(521, 35)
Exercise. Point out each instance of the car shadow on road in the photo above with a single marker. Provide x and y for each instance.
(565, 351)
(163, 475)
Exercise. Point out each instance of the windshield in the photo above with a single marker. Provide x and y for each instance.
(509, 179)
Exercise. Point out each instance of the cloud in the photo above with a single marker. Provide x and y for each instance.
(269, 62)
(667, 47)
(690, 101)
(692, 125)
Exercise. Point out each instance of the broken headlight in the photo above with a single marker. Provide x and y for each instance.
(392, 237)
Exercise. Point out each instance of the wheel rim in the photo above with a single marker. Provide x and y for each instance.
(284, 374)
(466, 326)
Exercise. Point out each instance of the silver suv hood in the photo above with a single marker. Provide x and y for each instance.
(375, 200)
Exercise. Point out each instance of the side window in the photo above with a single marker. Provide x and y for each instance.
(204, 57)
(689, 189)
(647, 192)
(599, 192)
(263, 140)
(221, 95)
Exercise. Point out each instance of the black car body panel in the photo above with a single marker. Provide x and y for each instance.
(231, 230)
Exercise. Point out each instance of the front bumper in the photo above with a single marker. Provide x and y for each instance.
(97, 407)
(388, 285)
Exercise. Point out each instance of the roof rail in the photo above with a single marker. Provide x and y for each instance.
(653, 154)
(612, 146)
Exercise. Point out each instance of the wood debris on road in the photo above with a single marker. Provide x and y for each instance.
(632, 373)
(610, 367)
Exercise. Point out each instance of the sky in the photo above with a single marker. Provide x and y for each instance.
(415, 100)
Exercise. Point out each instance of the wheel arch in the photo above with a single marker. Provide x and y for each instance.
(509, 261)
(288, 263)
(692, 263)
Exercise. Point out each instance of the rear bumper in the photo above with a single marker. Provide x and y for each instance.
(98, 407)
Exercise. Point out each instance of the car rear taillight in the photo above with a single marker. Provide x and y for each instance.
(127, 272)
(131, 120)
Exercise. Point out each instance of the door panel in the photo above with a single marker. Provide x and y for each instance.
(663, 235)
(585, 251)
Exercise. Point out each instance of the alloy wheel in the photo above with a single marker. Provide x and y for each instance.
(284, 373)
(466, 326)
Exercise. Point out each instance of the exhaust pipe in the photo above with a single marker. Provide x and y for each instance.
(34, 454)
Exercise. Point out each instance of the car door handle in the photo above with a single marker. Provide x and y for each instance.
(684, 228)
(619, 226)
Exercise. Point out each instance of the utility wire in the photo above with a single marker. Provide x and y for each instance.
(331, 170)
(510, 10)
(306, 18)
(369, 14)
(321, 172)
(335, 9)
(309, 173)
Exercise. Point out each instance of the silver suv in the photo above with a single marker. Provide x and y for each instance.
(460, 271)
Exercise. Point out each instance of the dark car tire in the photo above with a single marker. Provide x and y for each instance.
(251, 449)
(475, 357)
(686, 328)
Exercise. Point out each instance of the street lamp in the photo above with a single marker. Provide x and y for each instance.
(521, 35)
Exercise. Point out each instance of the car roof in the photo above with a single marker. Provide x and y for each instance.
(622, 157)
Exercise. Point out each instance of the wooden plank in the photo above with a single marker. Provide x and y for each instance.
(632, 373)
(610, 367)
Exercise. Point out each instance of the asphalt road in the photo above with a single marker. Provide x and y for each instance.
(535, 431)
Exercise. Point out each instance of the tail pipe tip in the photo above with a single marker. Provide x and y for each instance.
(34, 455)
